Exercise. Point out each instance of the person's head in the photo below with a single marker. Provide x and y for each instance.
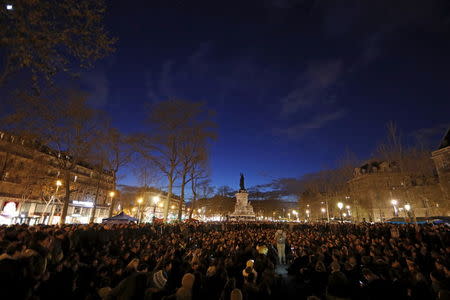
(236, 294)
(335, 266)
(320, 267)
(142, 267)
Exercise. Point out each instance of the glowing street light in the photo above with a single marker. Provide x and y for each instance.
(9, 7)
(155, 202)
(172, 207)
(323, 210)
(394, 203)
(112, 194)
(58, 183)
(340, 205)
(140, 200)
(407, 207)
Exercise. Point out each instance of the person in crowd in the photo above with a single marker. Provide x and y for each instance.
(225, 261)
(280, 238)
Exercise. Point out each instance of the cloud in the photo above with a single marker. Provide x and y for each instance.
(198, 74)
(315, 123)
(313, 86)
(96, 83)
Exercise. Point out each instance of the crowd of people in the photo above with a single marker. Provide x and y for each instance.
(225, 261)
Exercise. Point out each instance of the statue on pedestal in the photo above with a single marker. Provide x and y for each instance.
(241, 183)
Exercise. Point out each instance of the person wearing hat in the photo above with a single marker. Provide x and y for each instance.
(185, 291)
(250, 270)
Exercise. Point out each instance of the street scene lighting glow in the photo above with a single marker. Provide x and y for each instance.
(155, 199)
(140, 200)
(9, 6)
(112, 194)
(322, 210)
(58, 183)
(394, 202)
(340, 205)
(408, 207)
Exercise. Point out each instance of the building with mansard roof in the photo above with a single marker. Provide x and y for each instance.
(29, 192)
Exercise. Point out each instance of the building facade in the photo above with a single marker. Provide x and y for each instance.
(379, 191)
(31, 185)
(441, 158)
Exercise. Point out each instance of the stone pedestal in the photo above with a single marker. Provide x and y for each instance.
(242, 209)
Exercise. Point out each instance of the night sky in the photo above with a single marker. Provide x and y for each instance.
(294, 82)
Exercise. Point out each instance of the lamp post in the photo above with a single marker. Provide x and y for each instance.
(394, 206)
(323, 210)
(139, 201)
(349, 213)
(111, 195)
(340, 205)
(155, 203)
(410, 212)
(295, 213)
(52, 199)
(307, 214)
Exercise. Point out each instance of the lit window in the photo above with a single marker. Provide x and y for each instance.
(9, 6)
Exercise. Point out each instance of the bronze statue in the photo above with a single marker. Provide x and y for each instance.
(241, 183)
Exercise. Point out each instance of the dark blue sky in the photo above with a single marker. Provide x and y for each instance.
(294, 82)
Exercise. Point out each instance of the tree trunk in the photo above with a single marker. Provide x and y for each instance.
(94, 208)
(62, 221)
(169, 196)
(194, 197)
(113, 200)
(180, 207)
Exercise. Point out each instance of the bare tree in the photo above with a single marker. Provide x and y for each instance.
(52, 36)
(193, 155)
(65, 125)
(171, 123)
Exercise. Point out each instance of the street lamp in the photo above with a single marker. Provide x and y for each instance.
(295, 213)
(323, 210)
(307, 214)
(347, 207)
(155, 202)
(340, 205)
(394, 205)
(111, 195)
(58, 183)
